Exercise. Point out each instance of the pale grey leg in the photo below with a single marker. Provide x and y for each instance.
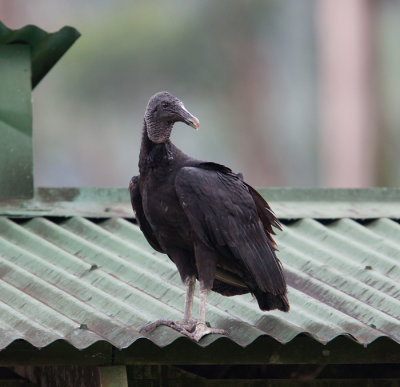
(188, 324)
(202, 308)
(201, 328)
(190, 288)
(191, 328)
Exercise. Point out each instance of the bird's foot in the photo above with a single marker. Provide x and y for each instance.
(191, 328)
(183, 326)
(201, 330)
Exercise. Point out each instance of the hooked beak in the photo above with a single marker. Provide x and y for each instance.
(188, 118)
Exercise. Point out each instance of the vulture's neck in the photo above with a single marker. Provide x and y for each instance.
(152, 154)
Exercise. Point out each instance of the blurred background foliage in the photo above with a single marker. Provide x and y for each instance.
(249, 70)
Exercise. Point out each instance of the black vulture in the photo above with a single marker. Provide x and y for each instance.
(211, 224)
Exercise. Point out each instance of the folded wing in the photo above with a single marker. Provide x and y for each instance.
(136, 201)
(224, 215)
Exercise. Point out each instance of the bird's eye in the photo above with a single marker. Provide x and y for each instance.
(165, 105)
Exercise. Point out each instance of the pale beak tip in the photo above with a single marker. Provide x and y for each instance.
(196, 123)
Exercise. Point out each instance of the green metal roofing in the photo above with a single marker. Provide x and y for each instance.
(46, 48)
(288, 203)
(75, 267)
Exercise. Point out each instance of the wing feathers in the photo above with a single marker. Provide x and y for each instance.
(266, 215)
(222, 211)
(136, 201)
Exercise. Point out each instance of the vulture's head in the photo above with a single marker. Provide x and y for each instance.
(162, 111)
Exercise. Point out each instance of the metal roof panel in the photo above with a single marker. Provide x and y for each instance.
(85, 279)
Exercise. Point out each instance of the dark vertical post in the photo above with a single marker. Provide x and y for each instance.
(16, 156)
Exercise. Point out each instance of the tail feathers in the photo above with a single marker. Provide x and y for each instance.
(227, 289)
(268, 301)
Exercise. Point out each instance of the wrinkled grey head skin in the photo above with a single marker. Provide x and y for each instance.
(163, 110)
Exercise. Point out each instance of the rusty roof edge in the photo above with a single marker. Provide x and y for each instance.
(287, 203)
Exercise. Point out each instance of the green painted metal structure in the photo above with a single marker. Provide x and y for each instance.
(16, 154)
(26, 55)
(45, 48)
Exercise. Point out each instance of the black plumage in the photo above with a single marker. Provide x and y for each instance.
(212, 225)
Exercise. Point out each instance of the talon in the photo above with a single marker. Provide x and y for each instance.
(155, 324)
(193, 329)
(202, 329)
(185, 327)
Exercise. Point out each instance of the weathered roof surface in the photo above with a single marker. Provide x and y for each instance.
(287, 203)
(74, 267)
(46, 48)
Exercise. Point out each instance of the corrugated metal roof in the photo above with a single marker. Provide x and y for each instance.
(46, 48)
(88, 278)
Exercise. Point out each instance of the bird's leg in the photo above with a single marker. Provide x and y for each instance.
(191, 328)
(201, 327)
(202, 308)
(190, 287)
(188, 324)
